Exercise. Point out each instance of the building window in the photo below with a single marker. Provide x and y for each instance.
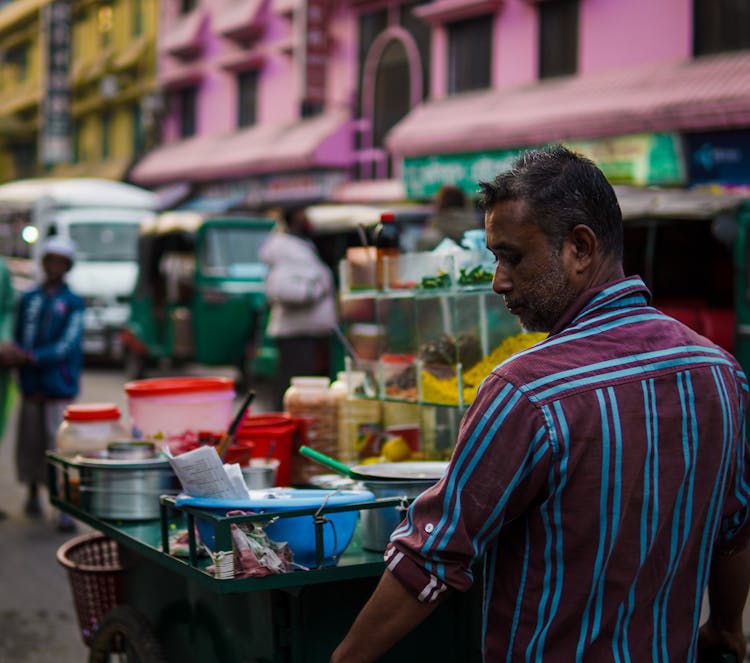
(104, 23)
(136, 119)
(469, 54)
(247, 91)
(18, 59)
(186, 108)
(136, 26)
(370, 26)
(24, 159)
(720, 25)
(106, 130)
(392, 86)
(421, 32)
(558, 38)
(77, 147)
(186, 6)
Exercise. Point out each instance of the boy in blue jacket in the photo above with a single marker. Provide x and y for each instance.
(48, 336)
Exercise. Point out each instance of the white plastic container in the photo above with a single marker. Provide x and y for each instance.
(90, 427)
(309, 399)
(166, 409)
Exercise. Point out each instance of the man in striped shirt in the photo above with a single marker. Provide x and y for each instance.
(602, 473)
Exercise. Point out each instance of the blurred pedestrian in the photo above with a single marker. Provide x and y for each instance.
(48, 335)
(452, 219)
(9, 356)
(300, 290)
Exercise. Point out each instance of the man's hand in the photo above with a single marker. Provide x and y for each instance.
(11, 355)
(712, 640)
(728, 584)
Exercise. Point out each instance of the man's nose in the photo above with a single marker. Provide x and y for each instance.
(501, 281)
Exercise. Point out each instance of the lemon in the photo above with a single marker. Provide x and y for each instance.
(396, 449)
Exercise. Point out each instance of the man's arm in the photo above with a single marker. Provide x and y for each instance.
(728, 584)
(389, 614)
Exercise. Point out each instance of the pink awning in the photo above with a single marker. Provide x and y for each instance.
(324, 141)
(239, 19)
(184, 38)
(688, 95)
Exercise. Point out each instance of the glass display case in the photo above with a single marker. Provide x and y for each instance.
(435, 330)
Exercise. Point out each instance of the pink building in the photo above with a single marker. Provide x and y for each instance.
(258, 101)
(276, 100)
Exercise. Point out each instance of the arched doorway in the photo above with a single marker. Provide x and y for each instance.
(392, 86)
(392, 90)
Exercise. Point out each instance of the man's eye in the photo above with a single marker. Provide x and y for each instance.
(508, 259)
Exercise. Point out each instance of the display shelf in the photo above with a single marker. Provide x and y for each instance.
(431, 347)
(364, 275)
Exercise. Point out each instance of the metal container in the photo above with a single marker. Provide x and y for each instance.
(408, 480)
(130, 450)
(260, 473)
(117, 489)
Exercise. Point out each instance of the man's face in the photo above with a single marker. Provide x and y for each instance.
(55, 266)
(531, 274)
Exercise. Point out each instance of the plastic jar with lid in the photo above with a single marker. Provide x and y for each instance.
(310, 400)
(359, 419)
(89, 427)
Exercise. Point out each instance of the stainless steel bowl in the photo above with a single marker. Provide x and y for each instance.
(116, 489)
(408, 480)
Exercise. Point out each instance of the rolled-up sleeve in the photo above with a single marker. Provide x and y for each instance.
(499, 467)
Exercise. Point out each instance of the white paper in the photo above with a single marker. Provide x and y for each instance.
(234, 472)
(202, 474)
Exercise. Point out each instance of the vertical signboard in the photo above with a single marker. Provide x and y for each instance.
(55, 143)
(314, 52)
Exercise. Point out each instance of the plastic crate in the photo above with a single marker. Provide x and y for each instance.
(95, 573)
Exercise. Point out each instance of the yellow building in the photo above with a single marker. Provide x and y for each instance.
(110, 83)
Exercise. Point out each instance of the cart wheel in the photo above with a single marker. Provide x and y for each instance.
(125, 635)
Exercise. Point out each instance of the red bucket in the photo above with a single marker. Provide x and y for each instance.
(240, 452)
(272, 436)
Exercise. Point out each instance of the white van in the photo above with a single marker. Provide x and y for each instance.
(103, 218)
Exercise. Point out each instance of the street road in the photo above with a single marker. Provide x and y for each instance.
(37, 618)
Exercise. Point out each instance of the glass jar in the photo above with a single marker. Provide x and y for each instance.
(310, 400)
(359, 419)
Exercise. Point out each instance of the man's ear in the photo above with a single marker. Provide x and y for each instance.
(582, 245)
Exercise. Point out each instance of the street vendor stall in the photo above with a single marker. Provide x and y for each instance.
(171, 603)
(139, 597)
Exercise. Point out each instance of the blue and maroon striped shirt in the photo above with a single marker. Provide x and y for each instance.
(599, 471)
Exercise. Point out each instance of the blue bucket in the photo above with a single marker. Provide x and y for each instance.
(298, 532)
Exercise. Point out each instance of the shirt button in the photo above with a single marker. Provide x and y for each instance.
(429, 527)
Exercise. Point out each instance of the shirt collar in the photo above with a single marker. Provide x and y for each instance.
(614, 294)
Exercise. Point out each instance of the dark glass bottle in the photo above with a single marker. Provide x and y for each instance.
(387, 248)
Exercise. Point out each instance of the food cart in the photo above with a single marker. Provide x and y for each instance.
(138, 600)
(170, 607)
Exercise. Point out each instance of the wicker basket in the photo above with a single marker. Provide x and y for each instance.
(93, 565)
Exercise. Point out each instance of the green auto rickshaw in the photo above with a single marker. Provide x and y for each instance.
(199, 296)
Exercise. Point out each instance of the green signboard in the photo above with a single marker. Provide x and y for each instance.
(638, 160)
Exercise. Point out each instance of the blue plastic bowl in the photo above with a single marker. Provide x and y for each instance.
(298, 532)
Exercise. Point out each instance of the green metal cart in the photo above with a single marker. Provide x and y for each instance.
(170, 608)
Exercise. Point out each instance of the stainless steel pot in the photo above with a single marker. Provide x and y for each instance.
(124, 489)
(407, 480)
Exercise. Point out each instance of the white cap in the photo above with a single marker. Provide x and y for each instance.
(59, 246)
